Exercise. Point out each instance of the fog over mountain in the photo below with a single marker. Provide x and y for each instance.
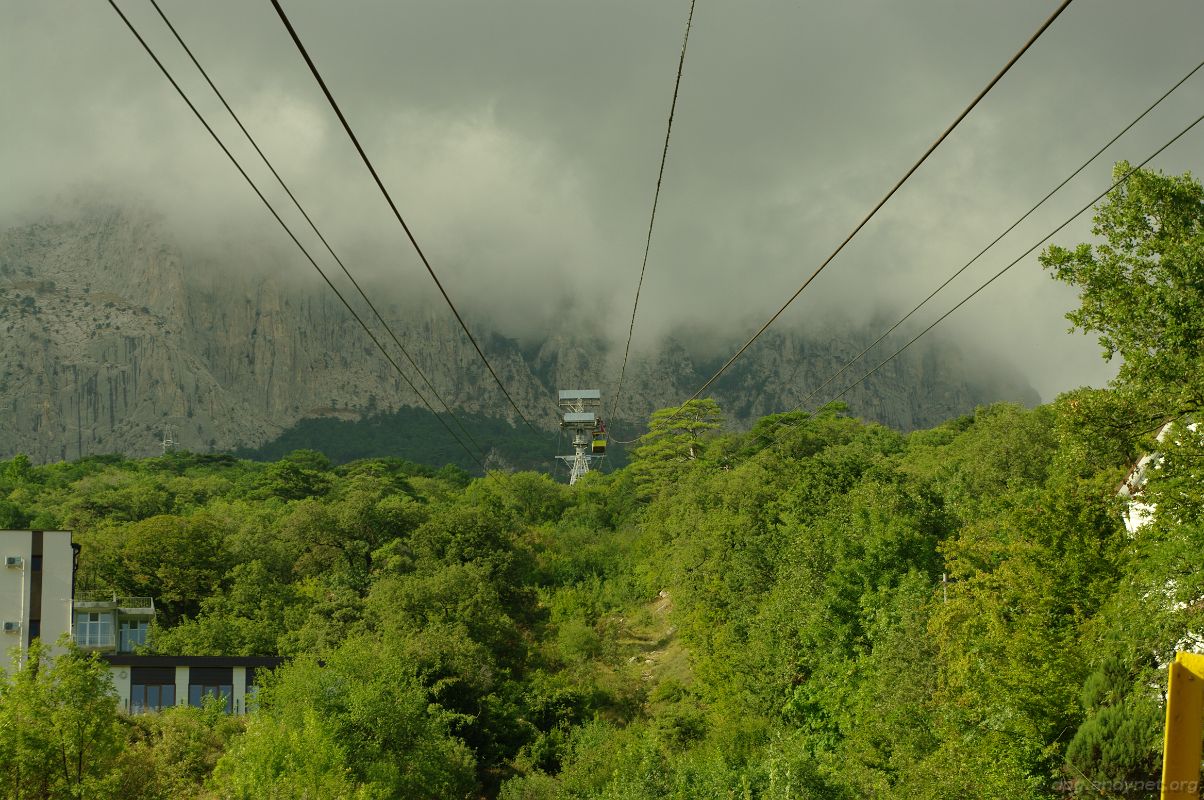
(521, 141)
(117, 329)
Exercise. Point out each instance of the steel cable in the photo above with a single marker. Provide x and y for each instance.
(183, 95)
(393, 206)
(434, 392)
(898, 184)
(660, 175)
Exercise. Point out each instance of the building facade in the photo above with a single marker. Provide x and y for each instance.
(38, 601)
(36, 589)
(106, 622)
(154, 682)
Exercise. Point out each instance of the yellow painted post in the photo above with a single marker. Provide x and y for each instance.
(1181, 750)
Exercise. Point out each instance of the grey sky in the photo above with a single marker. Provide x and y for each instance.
(521, 141)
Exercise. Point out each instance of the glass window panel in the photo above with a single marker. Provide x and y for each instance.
(131, 635)
(152, 688)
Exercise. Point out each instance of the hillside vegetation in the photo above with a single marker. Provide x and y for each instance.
(418, 435)
(818, 608)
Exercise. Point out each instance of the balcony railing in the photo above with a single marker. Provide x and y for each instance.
(95, 641)
(126, 604)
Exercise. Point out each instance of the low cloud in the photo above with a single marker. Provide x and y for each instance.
(521, 142)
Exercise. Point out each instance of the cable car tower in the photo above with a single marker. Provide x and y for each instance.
(580, 409)
(169, 438)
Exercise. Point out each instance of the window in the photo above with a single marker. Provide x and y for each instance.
(252, 687)
(152, 688)
(131, 634)
(93, 629)
(35, 562)
(211, 681)
(35, 629)
(198, 692)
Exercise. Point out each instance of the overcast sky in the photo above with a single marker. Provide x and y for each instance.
(521, 140)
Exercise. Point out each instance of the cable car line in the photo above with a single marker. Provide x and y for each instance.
(434, 392)
(652, 218)
(287, 230)
(1116, 184)
(393, 206)
(1120, 181)
(998, 238)
(873, 211)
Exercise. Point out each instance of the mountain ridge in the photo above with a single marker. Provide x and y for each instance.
(113, 328)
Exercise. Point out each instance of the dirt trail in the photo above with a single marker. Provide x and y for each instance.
(650, 641)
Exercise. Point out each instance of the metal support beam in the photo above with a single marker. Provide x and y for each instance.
(580, 408)
(1181, 750)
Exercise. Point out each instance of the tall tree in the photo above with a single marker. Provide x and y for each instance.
(1142, 291)
(1142, 288)
(675, 440)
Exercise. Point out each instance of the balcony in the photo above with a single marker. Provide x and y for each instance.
(127, 606)
(89, 640)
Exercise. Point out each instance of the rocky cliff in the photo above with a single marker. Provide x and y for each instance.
(111, 329)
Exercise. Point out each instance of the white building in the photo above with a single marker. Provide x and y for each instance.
(38, 600)
(36, 589)
(1139, 513)
(107, 622)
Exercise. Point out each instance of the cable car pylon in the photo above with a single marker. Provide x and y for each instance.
(580, 417)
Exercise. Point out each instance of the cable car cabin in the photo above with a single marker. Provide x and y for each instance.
(599, 446)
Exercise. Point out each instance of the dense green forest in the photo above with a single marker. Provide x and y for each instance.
(418, 435)
(816, 608)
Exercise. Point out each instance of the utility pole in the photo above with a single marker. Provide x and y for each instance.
(580, 409)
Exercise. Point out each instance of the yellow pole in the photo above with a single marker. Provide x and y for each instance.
(1181, 750)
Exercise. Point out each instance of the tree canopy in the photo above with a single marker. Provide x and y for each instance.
(817, 608)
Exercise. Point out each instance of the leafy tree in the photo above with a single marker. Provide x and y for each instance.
(1142, 291)
(296, 757)
(18, 470)
(308, 459)
(346, 530)
(117, 495)
(248, 618)
(1119, 742)
(468, 535)
(176, 561)
(12, 517)
(59, 733)
(527, 496)
(676, 438)
(299, 742)
(290, 480)
(172, 754)
(1142, 288)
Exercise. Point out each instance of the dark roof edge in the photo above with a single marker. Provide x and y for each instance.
(136, 660)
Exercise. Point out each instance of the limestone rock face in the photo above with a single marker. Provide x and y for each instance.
(110, 330)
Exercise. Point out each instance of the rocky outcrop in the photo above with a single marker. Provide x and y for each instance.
(110, 330)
